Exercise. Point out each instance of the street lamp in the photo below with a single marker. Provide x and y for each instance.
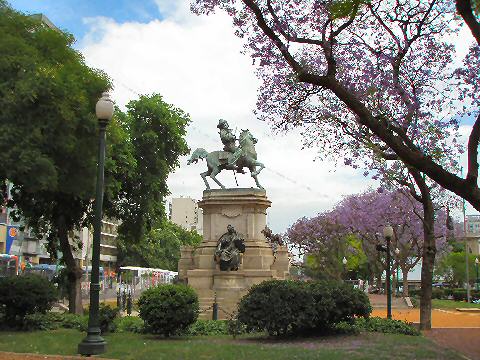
(476, 268)
(93, 343)
(344, 262)
(388, 234)
(397, 252)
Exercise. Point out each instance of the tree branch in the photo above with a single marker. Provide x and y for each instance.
(473, 140)
(410, 156)
(272, 36)
(286, 35)
(464, 8)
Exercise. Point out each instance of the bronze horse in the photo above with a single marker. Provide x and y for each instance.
(222, 160)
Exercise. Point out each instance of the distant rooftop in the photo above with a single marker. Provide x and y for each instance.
(42, 18)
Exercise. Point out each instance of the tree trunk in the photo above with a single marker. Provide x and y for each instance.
(74, 272)
(428, 262)
(75, 305)
(429, 251)
(405, 282)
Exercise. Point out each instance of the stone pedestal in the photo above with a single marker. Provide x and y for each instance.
(245, 209)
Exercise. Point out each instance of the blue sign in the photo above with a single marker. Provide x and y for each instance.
(12, 235)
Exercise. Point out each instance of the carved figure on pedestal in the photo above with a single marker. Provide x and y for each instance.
(275, 240)
(232, 157)
(229, 247)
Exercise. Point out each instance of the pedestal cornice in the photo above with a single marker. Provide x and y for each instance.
(237, 196)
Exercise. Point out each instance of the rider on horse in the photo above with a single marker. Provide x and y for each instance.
(232, 157)
(228, 140)
(227, 136)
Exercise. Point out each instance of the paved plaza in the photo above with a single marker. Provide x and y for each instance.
(440, 318)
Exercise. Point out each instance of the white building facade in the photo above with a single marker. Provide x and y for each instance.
(185, 213)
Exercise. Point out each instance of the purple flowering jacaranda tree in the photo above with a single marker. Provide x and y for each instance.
(365, 215)
(370, 82)
(379, 70)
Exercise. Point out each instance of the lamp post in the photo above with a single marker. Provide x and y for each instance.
(93, 343)
(397, 252)
(476, 268)
(344, 262)
(388, 234)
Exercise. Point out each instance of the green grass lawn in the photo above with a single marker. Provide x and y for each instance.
(130, 346)
(451, 304)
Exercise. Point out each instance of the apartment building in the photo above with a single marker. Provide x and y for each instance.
(108, 245)
(184, 212)
(472, 230)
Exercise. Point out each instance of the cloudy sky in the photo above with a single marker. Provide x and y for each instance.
(195, 63)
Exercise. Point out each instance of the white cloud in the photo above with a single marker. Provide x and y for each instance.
(195, 63)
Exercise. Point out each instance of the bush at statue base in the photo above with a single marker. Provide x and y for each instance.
(286, 307)
(278, 307)
(168, 309)
(336, 302)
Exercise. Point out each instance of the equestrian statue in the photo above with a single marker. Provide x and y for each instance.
(232, 157)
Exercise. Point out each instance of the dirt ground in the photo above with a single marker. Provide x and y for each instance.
(465, 341)
(452, 329)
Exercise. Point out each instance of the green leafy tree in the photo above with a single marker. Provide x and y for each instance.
(48, 131)
(326, 263)
(160, 248)
(153, 134)
(48, 142)
(451, 268)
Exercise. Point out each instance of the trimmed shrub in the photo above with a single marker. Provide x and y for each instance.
(336, 302)
(376, 324)
(459, 294)
(129, 324)
(39, 321)
(51, 321)
(106, 317)
(448, 292)
(208, 327)
(235, 327)
(283, 307)
(346, 328)
(22, 295)
(279, 307)
(168, 309)
(74, 321)
(438, 293)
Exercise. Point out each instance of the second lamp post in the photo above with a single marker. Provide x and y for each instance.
(476, 268)
(344, 262)
(397, 290)
(387, 234)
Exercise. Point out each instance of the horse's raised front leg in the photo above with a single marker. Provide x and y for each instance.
(204, 177)
(214, 173)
